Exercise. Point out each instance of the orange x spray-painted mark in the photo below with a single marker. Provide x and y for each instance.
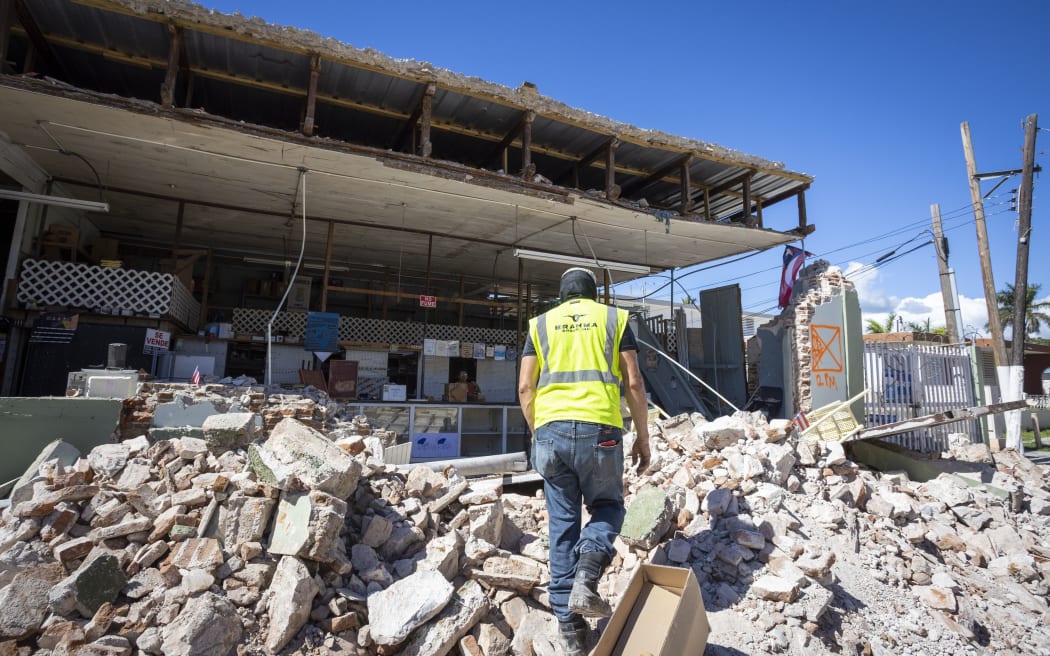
(826, 344)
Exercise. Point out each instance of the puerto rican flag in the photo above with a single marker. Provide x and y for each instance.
(196, 378)
(794, 257)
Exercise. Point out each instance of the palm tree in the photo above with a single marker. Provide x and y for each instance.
(1035, 313)
(916, 327)
(874, 326)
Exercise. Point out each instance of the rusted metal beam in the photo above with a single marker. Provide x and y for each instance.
(936, 419)
(404, 135)
(425, 117)
(635, 187)
(526, 144)
(612, 190)
(171, 76)
(311, 95)
(686, 201)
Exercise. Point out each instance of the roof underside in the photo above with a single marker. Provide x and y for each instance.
(233, 142)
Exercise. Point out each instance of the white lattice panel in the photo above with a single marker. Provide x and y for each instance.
(105, 291)
(293, 324)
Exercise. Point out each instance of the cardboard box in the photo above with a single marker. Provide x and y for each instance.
(67, 235)
(395, 392)
(104, 248)
(661, 613)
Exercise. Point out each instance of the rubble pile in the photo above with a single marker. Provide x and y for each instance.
(276, 527)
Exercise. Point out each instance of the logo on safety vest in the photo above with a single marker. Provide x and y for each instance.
(576, 325)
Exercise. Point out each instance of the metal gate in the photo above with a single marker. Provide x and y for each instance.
(913, 380)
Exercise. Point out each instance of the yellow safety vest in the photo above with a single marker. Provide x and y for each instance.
(578, 349)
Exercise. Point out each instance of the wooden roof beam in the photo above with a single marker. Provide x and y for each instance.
(37, 39)
(635, 187)
(496, 155)
(600, 150)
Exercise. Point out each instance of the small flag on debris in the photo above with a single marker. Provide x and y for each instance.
(793, 260)
(801, 421)
(196, 378)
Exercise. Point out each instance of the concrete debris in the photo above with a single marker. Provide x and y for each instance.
(293, 536)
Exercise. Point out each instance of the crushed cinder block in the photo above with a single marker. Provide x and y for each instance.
(24, 602)
(229, 430)
(648, 518)
(98, 580)
(307, 525)
(466, 608)
(207, 624)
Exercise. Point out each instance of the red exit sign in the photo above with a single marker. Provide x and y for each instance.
(428, 301)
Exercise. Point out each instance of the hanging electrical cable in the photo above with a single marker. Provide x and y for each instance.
(288, 288)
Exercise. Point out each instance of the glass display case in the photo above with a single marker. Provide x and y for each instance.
(482, 431)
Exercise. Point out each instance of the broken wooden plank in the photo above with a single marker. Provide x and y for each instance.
(936, 419)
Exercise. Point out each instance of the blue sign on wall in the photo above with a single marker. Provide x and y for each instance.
(322, 332)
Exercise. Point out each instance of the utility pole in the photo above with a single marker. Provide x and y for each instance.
(949, 294)
(994, 325)
(1024, 229)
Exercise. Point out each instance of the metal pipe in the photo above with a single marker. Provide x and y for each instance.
(479, 466)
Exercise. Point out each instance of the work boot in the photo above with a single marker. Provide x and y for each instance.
(584, 598)
(573, 635)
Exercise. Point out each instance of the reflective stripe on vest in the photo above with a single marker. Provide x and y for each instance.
(586, 375)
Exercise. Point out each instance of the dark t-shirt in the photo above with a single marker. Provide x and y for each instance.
(627, 343)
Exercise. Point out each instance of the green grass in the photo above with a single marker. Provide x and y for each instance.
(1028, 437)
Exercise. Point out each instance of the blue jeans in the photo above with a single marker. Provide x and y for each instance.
(576, 467)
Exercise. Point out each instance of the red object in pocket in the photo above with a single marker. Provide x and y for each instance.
(609, 443)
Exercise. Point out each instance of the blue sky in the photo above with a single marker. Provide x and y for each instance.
(866, 97)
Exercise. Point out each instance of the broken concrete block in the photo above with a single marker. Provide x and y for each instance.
(935, 597)
(425, 483)
(22, 556)
(817, 565)
(678, 550)
(136, 525)
(536, 635)
(406, 605)
(246, 520)
(750, 539)
(183, 411)
(439, 636)
(289, 607)
(63, 452)
(486, 521)
(109, 459)
(717, 501)
(377, 531)
(207, 624)
(307, 525)
(98, 580)
(720, 433)
(516, 572)
(814, 602)
(296, 457)
(492, 639)
(834, 453)
(648, 518)
(401, 540)
(229, 430)
(24, 603)
(774, 588)
(197, 553)
(74, 549)
(443, 553)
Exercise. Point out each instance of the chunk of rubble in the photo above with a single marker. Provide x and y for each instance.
(438, 637)
(229, 430)
(207, 624)
(294, 590)
(296, 457)
(648, 518)
(399, 610)
(24, 603)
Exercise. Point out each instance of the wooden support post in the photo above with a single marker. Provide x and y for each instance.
(946, 274)
(995, 326)
(205, 292)
(327, 266)
(612, 192)
(167, 90)
(406, 136)
(758, 205)
(1024, 229)
(311, 95)
(803, 221)
(687, 200)
(7, 19)
(426, 116)
(607, 281)
(526, 143)
(190, 79)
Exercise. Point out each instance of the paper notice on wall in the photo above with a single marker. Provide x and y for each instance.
(441, 348)
(501, 352)
(466, 350)
(429, 347)
(490, 351)
(453, 348)
(479, 351)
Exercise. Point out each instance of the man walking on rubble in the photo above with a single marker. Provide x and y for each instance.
(571, 368)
